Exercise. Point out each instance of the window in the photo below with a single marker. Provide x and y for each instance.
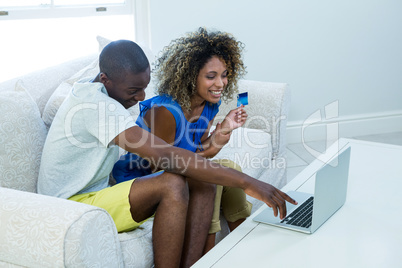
(27, 3)
(39, 33)
(22, 9)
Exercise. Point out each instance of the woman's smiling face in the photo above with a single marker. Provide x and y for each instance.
(212, 80)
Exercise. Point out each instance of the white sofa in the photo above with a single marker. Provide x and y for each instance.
(44, 231)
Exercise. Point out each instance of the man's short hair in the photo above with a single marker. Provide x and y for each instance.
(120, 57)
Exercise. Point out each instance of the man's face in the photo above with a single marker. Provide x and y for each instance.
(129, 90)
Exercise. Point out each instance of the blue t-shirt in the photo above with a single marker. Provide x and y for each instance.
(188, 135)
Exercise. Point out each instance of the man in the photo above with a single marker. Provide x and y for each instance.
(82, 147)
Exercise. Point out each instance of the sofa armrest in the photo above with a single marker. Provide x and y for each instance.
(44, 231)
(268, 108)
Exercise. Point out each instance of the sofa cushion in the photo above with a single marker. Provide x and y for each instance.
(41, 84)
(267, 109)
(22, 136)
(61, 92)
(250, 148)
(136, 246)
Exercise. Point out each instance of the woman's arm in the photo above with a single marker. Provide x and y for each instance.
(213, 143)
(162, 123)
(234, 119)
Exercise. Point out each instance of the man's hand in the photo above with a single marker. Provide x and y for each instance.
(274, 198)
(141, 142)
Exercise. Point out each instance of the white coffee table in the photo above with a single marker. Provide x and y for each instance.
(365, 232)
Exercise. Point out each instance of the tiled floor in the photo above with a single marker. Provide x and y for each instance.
(299, 157)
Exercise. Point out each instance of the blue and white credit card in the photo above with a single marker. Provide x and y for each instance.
(242, 98)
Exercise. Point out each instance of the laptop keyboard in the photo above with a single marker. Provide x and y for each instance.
(302, 216)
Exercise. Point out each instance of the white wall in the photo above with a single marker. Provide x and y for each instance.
(345, 51)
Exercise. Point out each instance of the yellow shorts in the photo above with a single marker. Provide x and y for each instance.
(232, 201)
(115, 201)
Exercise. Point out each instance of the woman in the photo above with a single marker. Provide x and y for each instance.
(194, 73)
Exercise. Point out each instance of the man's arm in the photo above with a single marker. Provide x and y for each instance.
(180, 161)
(162, 124)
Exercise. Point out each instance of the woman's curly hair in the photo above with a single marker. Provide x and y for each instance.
(179, 64)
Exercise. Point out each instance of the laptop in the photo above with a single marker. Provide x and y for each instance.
(313, 210)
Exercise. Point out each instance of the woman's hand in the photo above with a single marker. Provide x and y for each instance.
(218, 137)
(234, 119)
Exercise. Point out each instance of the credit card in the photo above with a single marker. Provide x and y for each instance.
(242, 98)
